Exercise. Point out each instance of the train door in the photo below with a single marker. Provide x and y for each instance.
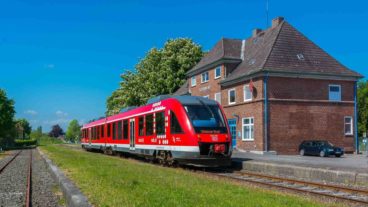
(232, 126)
(132, 134)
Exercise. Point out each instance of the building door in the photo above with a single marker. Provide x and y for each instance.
(132, 134)
(232, 126)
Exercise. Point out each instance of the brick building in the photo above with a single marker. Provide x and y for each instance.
(278, 88)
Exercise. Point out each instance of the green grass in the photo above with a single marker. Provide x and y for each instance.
(113, 181)
(46, 140)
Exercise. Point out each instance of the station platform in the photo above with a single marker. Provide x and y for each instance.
(348, 169)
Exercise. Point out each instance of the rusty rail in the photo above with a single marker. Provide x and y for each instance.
(11, 160)
(29, 182)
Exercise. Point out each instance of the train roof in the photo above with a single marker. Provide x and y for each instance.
(184, 100)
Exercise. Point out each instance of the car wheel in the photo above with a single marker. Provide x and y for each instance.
(322, 154)
(302, 152)
(338, 155)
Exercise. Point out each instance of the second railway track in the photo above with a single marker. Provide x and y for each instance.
(352, 195)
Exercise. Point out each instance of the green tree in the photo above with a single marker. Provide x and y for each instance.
(36, 134)
(73, 131)
(7, 124)
(23, 128)
(161, 71)
(362, 107)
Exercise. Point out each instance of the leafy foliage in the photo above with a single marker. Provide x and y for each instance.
(362, 107)
(161, 71)
(23, 128)
(7, 113)
(73, 131)
(23, 143)
(56, 131)
(35, 134)
(45, 140)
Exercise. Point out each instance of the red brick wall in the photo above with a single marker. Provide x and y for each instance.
(209, 88)
(293, 122)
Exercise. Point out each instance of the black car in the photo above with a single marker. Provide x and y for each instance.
(321, 148)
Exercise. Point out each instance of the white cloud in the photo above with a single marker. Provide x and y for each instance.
(60, 121)
(50, 66)
(61, 114)
(31, 112)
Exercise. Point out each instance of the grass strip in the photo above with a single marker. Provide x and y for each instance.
(113, 181)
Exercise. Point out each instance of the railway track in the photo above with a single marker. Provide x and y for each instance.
(358, 196)
(28, 184)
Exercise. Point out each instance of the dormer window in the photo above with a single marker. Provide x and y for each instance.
(218, 72)
(193, 81)
(300, 56)
(204, 77)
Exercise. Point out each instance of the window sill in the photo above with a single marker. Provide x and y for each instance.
(204, 82)
(248, 100)
(248, 140)
(232, 103)
(217, 77)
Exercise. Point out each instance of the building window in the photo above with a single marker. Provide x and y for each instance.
(175, 127)
(348, 125)
(218, 72)
(247, 93)
(204, 77)
(193, 81)
(334, 93)
(218, 97)
(231, 96)
(125, 129)
(160, 123)
(248, 129)
(149, 124)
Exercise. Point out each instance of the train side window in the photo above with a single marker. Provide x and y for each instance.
(120, 133)
(149, 124)
(114, 130)
(93, 133)
(98, 132)
(125, 129)
(160, 123)
(103, 131)
(141, 126)
(175, 127)
(109, 130)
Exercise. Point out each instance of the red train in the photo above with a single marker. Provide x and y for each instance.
(170, 129)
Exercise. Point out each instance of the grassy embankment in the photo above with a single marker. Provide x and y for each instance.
(113, 181)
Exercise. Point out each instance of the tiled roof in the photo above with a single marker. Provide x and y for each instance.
(224, 49)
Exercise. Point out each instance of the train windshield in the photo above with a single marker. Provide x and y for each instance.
(206, 118)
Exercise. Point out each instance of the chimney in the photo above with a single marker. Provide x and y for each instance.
(277, 21)
(256, 32)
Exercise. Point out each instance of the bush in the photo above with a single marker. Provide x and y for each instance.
(24, 142)
(46, 140)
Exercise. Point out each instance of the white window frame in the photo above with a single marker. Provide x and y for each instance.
(207, 96)
(251, 94)
(228, 96)
(329, 95)
(351, 125)
(216, 94)
(193, 83)
(218, 76)
(208, 77)
(251, 125)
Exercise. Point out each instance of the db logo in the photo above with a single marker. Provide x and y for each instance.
(214, 138)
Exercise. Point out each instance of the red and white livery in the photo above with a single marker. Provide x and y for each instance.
(170, 129)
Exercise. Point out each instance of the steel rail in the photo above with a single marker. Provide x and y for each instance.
(265, 183)
(309, 183)
(8, 162)
(29, 182)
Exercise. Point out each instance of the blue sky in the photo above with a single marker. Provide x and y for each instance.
(60, 60)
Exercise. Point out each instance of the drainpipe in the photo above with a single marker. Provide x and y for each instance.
(265, 112)
(356, 119)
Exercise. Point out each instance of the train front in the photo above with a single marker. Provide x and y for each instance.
(210, 131)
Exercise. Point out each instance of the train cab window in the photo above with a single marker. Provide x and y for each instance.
(103, 131)
(125, 129)
(114, 130)
(120, 133)
(141, 126)
(109, 130)
(160, 123)
(175, 127)
(149, 124)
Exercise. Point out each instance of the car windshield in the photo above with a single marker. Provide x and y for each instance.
(206, 118)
